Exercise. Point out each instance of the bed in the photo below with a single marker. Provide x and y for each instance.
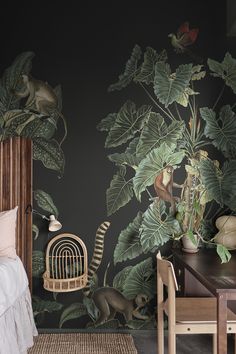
(17, 327)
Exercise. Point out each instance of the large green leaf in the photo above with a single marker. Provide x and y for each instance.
(40, 305)
(224, 253)
(130, 70)
(220, 184)
(15, 121)
(128, 246)
(50, 153)
(39, 128)
(132, 147)
(120, 278)
(11, 80)
(119, 193)
(75, 310)
(153, 164)
(169, 87)
(141, 280)
(147, 71)
(38, 263)
(156, 132)
(45, 202)
(92, 310)
(128, 122)
(225, 70)
(222, 129)
(157, 227)
(125, 159)
(107, 122)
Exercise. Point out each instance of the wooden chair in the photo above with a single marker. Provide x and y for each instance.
(185, 315)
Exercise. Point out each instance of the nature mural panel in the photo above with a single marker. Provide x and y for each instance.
(149, 142)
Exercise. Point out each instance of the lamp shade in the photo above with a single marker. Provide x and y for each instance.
(54, 224)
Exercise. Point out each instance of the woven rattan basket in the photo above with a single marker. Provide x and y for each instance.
(66, 264)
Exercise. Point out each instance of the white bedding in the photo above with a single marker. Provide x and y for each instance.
(17, 326)
(13, 281)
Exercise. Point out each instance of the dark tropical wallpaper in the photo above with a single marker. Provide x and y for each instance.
(99, 67)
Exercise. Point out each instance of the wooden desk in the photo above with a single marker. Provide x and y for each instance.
(219, 279)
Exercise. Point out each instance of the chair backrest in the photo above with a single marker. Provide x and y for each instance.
(166, 271)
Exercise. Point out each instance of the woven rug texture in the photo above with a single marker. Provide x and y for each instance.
(83, 343)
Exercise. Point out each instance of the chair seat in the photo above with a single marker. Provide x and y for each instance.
(197, 310)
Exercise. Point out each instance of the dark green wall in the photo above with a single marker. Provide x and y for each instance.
(84, 50)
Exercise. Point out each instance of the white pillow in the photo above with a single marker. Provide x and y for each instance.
(8, 233)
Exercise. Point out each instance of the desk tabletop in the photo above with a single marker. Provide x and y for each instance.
(206, 266)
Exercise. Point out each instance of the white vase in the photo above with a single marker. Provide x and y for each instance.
(188, 245)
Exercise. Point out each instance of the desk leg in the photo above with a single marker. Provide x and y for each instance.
(222, 324)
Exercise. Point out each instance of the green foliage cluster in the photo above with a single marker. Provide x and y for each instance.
(174, 130)
(18, 120)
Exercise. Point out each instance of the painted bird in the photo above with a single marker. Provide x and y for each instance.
(183, 38)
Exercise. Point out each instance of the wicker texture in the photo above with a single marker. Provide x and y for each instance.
(84, 343)
(66, 264)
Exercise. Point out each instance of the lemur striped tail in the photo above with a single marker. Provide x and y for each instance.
(97, 255)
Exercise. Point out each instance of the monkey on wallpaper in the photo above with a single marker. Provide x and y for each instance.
(43, 96)
(163, 186)
(97, 255)
(109, 300)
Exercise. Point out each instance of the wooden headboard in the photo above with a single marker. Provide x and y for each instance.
(16, 189)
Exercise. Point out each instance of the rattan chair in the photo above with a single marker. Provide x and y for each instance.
(185, 315)
(66, 264)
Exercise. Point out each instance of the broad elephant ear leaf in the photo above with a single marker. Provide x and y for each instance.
(156, 132)
(129, 246)
(168, 86)
(107, 123)
(141, 280)
(157, 227)
(120, 191)
(120, 278)
(225, 70)
(222, 129)
(11, 80)
(147, 70)
(128, 122)
(220, 184)
(45, 202)
(75, 310)
(125, 159)
(130, 70)
(50, 153)
(153, 164)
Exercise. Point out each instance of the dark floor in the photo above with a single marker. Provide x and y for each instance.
(146, 343)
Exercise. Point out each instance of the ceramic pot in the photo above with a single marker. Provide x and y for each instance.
(188, 245)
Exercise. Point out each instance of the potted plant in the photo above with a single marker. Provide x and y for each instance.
(173, 131)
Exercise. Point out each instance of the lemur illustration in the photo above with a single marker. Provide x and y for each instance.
(109, 300)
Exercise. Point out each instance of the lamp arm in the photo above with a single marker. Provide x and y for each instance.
(30, 209)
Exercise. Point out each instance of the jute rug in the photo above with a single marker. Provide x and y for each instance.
(83, 343)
